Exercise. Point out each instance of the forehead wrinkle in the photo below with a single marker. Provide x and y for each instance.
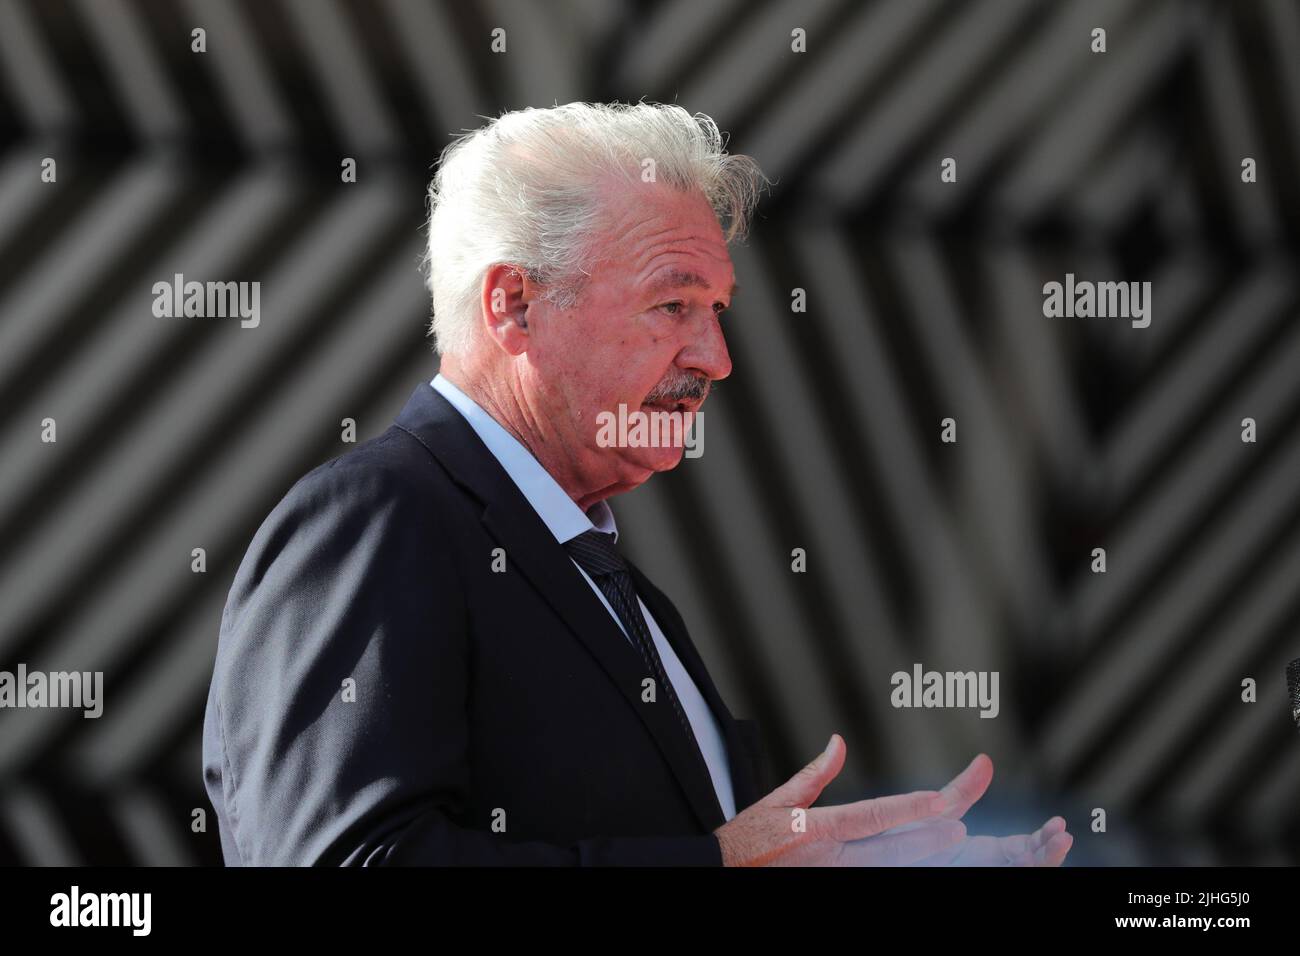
(654, 242)
(680, 276)
(670, 246)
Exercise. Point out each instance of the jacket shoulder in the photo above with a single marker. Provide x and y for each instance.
(388, 495)
(391, 465)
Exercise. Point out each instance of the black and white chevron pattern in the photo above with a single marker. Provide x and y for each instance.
(1120, 691)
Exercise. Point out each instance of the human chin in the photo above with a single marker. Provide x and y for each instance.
(662, 458)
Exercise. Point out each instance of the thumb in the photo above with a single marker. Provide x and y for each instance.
(803, 789)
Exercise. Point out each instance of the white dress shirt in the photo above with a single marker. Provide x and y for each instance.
(566, 520)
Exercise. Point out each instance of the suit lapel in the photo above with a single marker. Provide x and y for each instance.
(740, 760)
(533, 551)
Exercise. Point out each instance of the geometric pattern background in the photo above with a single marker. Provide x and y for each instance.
(1119, 690)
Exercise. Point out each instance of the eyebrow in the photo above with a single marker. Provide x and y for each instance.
(679, 279)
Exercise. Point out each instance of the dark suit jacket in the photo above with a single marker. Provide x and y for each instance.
(381, 695)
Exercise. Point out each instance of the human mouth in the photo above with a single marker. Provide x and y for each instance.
(665, 405)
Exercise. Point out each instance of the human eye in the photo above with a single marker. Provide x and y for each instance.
(676, 305)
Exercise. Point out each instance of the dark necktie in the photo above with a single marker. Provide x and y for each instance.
(595, 553)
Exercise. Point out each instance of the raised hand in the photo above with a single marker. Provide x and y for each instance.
(784, 829)
(1046, 846)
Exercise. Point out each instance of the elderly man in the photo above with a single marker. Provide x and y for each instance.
(434, 652)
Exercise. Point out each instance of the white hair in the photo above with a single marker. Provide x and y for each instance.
(525, 190)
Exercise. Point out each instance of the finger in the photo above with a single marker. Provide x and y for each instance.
(948, 849)
(973, 851)
(1015, 846)
(1037, 839)
(989, 850)
(903, 849)
(903, 828)
(1051, 853)
(1020, 843)
(852, 821)
(803, 789)
(968, 786)
(1044, 833)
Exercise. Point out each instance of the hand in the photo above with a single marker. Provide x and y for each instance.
(1046, 846)
(851, 834)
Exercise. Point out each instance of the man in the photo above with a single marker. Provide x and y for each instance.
(434, 651)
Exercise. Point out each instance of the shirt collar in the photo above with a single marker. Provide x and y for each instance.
(553, 505)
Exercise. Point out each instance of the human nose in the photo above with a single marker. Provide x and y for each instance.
(707, 350)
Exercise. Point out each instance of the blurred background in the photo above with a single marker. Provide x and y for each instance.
(1120, 691)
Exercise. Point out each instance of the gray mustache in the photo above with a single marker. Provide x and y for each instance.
(691, 387)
